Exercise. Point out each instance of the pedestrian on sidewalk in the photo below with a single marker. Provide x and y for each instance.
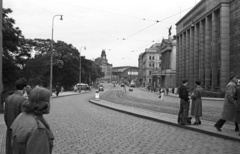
(13, 107)
(196, 97)
(229, 107)
(184, 104)
(31, 133)
(238, 104)
(58, 89)
(162, 93)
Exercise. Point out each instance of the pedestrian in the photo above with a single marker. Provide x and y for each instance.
(162, 93)
(31, 133)
(238, 104)
(13, 107)
(184, 104)
(196, 97)
(229, 106)
(28, 89)
(58, 89)
(167, 90)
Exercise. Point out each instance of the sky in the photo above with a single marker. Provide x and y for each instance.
(123, 28)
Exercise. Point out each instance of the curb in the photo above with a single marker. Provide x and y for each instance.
(167, 122)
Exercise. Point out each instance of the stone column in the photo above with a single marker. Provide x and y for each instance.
(224, 45)
(202, 50)
(191, 77)
(196, 52)
(180, 60)
(187, 54)
(184, 56)
(177, 59)
(214, 59)
(207, 51)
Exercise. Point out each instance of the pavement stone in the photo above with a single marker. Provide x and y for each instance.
(84, 127)
(144, 136)
(206, 127)
(3, 126)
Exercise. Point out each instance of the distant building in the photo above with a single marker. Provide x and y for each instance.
(125, 73)
(149, 64)
(208, 44)
(106, 67)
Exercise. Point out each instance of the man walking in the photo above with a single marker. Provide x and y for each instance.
(184, 104)
(229, 107)
(13, 107)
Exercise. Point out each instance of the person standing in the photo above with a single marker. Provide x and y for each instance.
(58, 89)
(238, 104)
(196, 109)
(184, 104)
(13, 107)
(229, 106)
(31, 134)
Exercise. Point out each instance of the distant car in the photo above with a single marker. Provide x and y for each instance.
(101, 88)
(132, 85)
(122, 84)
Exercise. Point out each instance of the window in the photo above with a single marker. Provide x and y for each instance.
(150, 80)
(153, 57)
(149, 65)
(150, 72)
(150, 57)
(152, 65)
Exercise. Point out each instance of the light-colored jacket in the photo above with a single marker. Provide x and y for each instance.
(229, 106)
(30, 135)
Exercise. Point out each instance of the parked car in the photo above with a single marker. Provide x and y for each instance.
(132, 85)
(101, 88)
(83, 87)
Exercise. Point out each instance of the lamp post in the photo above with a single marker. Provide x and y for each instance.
(80, 67)
(51, 60)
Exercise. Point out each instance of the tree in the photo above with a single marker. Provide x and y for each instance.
(12, 41)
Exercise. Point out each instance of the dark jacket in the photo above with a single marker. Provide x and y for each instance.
(13, 107)
(183, 93)
(31, 135)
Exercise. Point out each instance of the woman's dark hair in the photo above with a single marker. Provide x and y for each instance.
(198, 82)
(38, 101)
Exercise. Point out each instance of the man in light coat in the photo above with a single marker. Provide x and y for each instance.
(229, 107)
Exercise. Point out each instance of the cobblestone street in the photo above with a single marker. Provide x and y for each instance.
(84, 128)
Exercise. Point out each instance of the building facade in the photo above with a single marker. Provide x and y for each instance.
(106, 67)
(149, 64)
(208, 44)
(168, 62)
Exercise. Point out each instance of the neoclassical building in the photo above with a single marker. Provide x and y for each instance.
(208, 44)
(106, 67)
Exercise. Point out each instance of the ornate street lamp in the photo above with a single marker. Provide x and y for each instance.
(51, 60)
(80, 67)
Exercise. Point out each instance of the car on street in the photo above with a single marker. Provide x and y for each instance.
(101, 88)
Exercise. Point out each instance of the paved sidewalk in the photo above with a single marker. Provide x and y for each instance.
(206, 126)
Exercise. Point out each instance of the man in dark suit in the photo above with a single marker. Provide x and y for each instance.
(13, 107)
(184, 104)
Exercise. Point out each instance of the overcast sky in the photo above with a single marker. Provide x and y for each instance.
(124, 28)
